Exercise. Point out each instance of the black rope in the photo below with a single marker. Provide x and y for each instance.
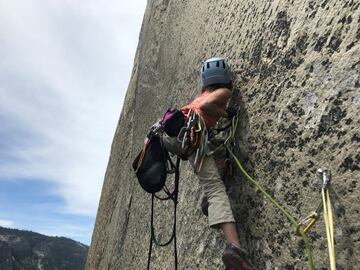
(174, 197)
(151, 237)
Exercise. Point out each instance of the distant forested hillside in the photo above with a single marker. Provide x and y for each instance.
(25, 250)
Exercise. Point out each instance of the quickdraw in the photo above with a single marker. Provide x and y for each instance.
(194, 137)
(308, 222)
(325, 205)
(184, 133)
(194, 133)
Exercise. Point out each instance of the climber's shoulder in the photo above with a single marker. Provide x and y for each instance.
(219, 95)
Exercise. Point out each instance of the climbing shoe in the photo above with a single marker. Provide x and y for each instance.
(235, 258)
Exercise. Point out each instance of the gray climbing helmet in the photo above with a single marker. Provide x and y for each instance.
(215, 71)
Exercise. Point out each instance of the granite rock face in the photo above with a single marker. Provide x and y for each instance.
(297, 66)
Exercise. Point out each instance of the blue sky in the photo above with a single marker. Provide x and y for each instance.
(64, 70)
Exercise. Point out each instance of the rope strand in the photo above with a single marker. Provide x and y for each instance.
(174, 197)
(282, 209)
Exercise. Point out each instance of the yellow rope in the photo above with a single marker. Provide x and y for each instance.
(328, 217)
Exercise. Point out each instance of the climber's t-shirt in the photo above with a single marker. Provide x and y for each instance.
(210, 121)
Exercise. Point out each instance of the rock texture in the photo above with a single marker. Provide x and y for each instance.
(297, 66)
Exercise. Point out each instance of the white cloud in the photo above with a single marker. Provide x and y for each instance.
(63, 75)
(6, 223)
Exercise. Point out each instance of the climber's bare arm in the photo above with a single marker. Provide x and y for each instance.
(215, 103)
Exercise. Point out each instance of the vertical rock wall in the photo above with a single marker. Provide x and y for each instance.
(297, 66)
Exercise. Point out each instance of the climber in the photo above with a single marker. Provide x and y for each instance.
(210, 105)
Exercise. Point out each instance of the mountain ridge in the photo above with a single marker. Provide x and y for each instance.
(28, 250)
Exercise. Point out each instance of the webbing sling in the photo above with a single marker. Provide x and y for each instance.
(170, 196)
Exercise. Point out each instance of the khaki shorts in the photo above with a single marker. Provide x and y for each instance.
(219, 205)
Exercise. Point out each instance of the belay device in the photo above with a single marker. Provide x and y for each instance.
(152, 165)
